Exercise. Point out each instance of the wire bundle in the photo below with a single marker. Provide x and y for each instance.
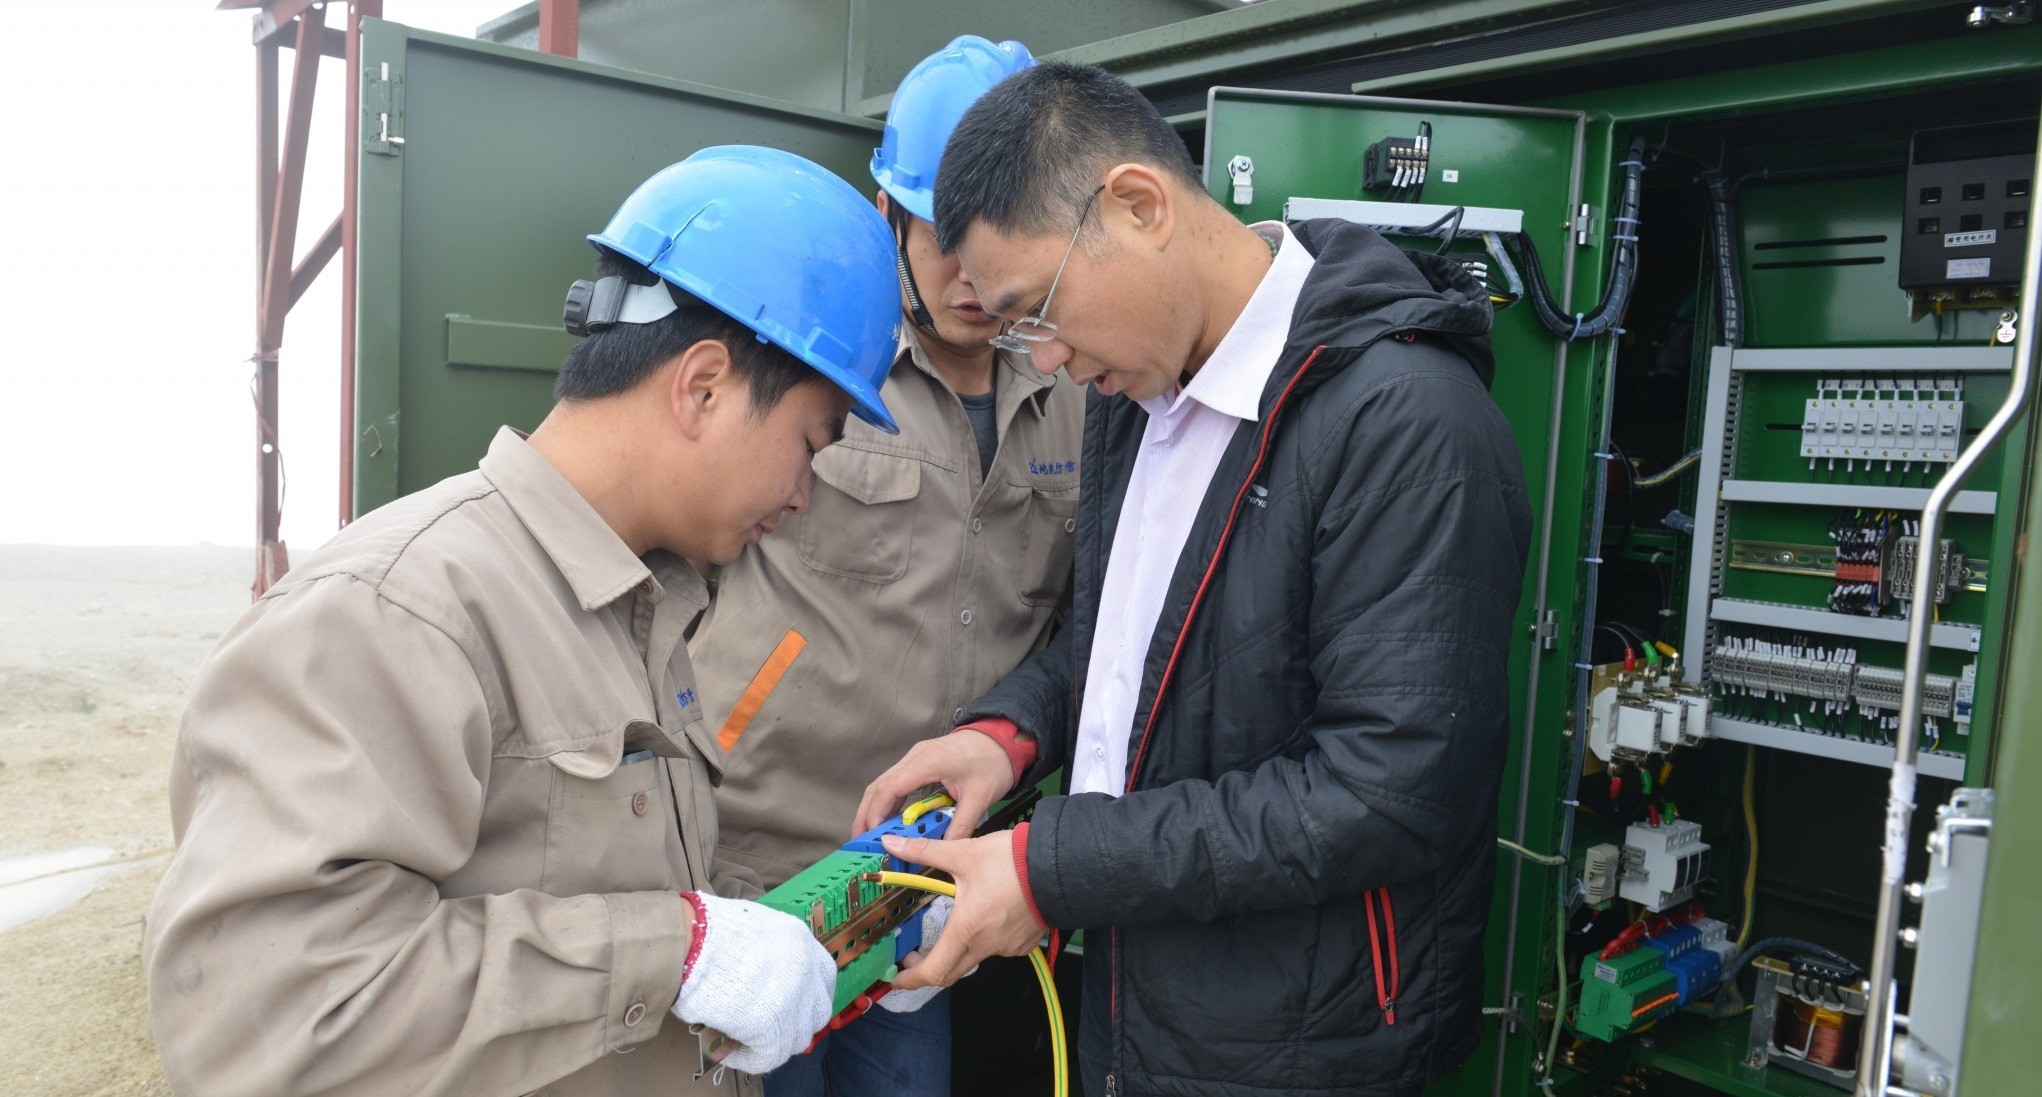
(1623, 274)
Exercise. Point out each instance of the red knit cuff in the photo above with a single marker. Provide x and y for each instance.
(1006, 733)
(694, 939)
(1021, 870)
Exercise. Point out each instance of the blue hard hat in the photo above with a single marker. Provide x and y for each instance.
(782, 246)
(926, 107)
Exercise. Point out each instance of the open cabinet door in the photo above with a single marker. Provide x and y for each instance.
(1304, 155)
(482, 170)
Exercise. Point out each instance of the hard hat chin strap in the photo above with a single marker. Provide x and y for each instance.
(593, 306)
(917, 311)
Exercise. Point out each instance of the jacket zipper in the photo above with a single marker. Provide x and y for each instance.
(1386, 991)
(1212, 566)
(1177, 648)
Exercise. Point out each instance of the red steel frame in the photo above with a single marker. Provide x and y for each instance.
(282, 277)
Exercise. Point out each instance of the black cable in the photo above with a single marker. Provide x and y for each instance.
(1447, 238)
(1723, 237)
(1623, 274)
(1455, 216)
(1630, 495)
(1736, 968)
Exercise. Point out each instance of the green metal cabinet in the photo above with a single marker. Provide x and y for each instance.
(482, 170)
(1817, 258)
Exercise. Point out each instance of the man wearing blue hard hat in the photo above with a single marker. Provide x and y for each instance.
(442, 796)
(927, 567)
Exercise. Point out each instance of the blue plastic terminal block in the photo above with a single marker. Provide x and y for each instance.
(1695, 974)
(929, 824)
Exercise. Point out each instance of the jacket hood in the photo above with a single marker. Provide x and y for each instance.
(1363, 287)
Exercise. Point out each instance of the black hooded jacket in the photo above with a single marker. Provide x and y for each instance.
(1300, 872)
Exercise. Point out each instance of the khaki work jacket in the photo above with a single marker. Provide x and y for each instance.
(410, 856)
(911, 586)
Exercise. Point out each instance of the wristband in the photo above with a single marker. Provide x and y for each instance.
(695, 939)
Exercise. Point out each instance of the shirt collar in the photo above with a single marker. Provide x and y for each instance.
(1234, 375)
(1029, 381)
(596, 563)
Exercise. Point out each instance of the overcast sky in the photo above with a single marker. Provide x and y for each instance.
(127, 274)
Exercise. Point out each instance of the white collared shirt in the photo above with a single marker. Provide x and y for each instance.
(1187, 432)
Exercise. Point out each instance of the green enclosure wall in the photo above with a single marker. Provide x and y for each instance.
(472, 229)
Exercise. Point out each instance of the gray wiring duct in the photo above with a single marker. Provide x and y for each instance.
(1723, 241)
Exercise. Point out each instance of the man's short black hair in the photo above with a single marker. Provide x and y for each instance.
(1026, 156)
(613, 360)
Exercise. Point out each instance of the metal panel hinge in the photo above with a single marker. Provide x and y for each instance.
(1547, 629)
(382, 111)
(1584, 223)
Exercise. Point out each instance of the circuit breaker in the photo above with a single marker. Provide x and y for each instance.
(1662, 863)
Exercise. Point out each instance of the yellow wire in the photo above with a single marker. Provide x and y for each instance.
(1036, 959)
(917, 809)
(1751, 847)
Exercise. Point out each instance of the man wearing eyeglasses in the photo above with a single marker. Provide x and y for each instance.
(928, 565)
(1281, 699)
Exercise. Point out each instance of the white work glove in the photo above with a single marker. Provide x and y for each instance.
(934, 917)
(759, 977)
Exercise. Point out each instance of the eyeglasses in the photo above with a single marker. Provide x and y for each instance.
(1022, 335)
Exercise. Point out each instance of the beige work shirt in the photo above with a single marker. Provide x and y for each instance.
(410, 858)
(916, 583)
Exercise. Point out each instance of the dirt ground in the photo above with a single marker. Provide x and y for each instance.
(97, 646)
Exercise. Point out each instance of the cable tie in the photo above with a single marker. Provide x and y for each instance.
(1627, 220)
(1584, 666)
(1570, 803)
(1605, 456)
(1632, 238)
(1591, 560)
(1576, 333)
(1639, 164)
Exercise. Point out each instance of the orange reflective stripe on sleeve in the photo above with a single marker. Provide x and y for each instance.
(754, 696)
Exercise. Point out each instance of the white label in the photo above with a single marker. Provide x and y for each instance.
(1449, 175)
(1970, 239)
(1605, 973)
(1967, 268)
